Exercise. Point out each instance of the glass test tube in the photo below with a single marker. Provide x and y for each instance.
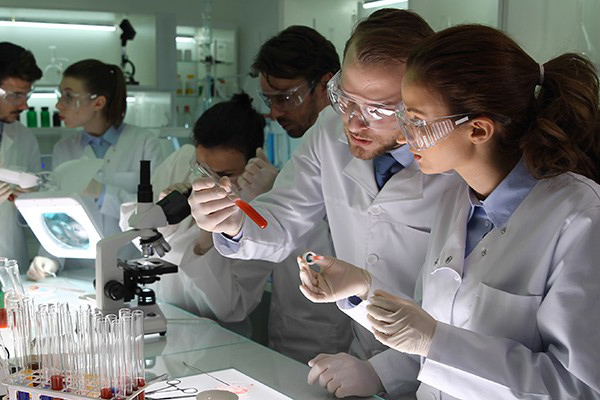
(203, 170)
(41, 318)
(139, 366)
(127, 354)
(56, 377)
(118, 373)
(102, 339)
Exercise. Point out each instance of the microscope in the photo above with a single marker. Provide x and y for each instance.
(117, 281)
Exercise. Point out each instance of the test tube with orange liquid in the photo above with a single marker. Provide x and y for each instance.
(202, 169)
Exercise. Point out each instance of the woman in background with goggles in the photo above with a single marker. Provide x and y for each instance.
(92, 95)
(509, 289)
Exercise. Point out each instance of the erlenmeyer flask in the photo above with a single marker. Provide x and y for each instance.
(53, 71)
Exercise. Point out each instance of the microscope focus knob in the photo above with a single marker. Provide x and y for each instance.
(114, 290)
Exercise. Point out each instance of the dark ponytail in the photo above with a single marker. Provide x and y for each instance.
(565, 135)
(103, 80)
(232, 124)
(478, 69)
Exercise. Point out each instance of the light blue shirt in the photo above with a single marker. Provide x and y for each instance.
(403, 155)
(496, 209)
(100, 145)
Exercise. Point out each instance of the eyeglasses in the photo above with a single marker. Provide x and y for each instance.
(376, 116)
(71, 99)
(287, 99)
(15, 98)
(421, 134)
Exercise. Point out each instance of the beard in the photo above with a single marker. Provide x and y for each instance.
(378, 146)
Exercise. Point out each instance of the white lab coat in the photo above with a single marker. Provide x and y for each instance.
(519, 317)
(19, 151)
(229, 290)
(385, 232)
(120, 173)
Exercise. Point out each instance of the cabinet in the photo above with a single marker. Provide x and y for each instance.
(206, 71)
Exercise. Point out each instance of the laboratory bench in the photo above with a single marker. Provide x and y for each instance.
(199, 342)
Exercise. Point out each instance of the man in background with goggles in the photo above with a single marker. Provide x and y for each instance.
(294, 67)
(19, 148)
(351, 169)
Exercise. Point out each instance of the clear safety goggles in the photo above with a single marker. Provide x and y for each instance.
(72, 99)
(376, 116)
(422, 134)
(15, 98)
(285, 100)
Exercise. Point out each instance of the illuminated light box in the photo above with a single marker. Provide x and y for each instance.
(64, 223)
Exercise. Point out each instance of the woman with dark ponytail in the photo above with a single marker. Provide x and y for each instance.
(508, 300)
(510, 285)
(93, 96)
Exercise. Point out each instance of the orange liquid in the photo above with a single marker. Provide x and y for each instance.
(251, 213)
(106, 393)
(141, 382)
(3, 318)
(56, 382)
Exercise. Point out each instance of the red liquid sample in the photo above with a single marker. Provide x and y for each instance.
(56, 382)
(3, 318)
(141, 382)
(106, 393)
(251, 213)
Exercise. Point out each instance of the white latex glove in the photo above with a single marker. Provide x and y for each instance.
(344, 375)
(181, 187)
(41, 267)
(212, 209)
(337, 280)
(258, 176)
(401, 324)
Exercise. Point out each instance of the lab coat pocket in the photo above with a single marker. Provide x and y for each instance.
(499, 313)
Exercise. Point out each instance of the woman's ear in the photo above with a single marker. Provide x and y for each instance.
(483, 130)
(99, 103)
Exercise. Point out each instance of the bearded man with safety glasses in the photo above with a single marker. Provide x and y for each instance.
(19, 148)
(354, 168)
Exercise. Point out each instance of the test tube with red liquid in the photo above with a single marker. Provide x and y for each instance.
(139, 367)
(204, 170)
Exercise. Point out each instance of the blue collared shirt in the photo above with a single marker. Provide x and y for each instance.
(497, 208)
(101, 144)
(403, 155)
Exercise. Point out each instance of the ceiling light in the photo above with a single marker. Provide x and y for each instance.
(53, 25)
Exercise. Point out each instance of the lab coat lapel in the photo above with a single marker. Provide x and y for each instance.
(6, 147)
(363, 174)
(444, 277)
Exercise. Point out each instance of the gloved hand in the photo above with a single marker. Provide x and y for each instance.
(337, 280)
(41, 267)
(181, 187)
(401, 324)
(344, 375)
(212, 209)
(258, 177)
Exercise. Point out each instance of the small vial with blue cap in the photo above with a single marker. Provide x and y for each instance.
(309, 257)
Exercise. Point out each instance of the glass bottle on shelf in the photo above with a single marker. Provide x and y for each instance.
(188, 118)
(180, 86)
(190, 85)
(32, 118)
(45, 118)
(55, 119)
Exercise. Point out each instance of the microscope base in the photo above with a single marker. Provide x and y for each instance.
(154, 319)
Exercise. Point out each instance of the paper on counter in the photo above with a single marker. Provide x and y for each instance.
(245, 387)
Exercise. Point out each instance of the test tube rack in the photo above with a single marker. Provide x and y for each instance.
(36, 391)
